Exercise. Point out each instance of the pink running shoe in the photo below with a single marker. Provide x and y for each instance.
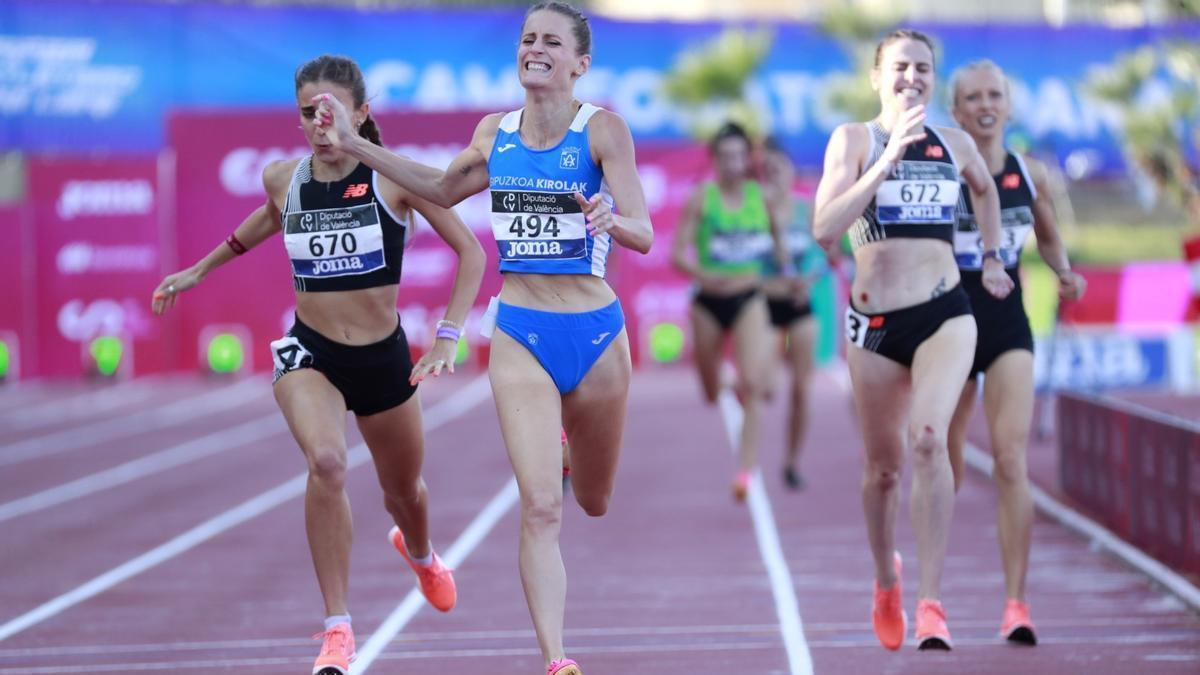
(1017, 627)
(887, 611)
(563, 666)
(932, 632)
(437, 580)
(337, 651)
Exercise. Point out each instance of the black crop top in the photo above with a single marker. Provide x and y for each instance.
(918, 199)
(339, 235)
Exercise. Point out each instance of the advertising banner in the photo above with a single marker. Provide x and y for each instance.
(86, 76)
(96, 244)
(16, 274)
(1100, 358)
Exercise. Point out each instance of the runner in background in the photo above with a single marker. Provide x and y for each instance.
(344, 227)
(894, 184)
(1004, 351)
(789, 300)
(729, 223)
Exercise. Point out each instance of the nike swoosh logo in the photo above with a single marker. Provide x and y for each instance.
(600, 339)
(506, 146)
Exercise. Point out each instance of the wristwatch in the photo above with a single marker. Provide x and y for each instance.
(993, 253)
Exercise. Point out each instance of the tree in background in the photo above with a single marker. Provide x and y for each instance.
(1158, 122)
(708, 82)
(856, 31)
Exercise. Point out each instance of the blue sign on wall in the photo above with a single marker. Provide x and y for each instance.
(84, 77)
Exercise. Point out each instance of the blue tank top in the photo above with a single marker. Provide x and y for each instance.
(339, 235)
(538, 225)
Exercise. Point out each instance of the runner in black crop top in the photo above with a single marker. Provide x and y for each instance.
(346, 349)
(918, 199)
(339, 235)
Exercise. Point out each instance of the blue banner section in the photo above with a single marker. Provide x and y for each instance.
(90, 77)
(1096, 361)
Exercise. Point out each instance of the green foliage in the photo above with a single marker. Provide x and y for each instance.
(709, 80)
(857, 32)
(1151, 129)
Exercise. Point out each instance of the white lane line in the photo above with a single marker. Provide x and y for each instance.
(1098, 535)
(151, 419)
(767, 534)
(184, 453)
(1146, 626)
(458, 403)
(455, 555)
(28, 395)
(54, 410)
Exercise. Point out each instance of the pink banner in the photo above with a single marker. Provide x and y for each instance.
(96, 243)
(16, 275)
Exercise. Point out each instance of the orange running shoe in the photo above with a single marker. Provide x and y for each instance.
(437, 580)
(887, 612)
(932, 632)
(1016, 626)
(741, 485)
(563, 666)
(337, 651)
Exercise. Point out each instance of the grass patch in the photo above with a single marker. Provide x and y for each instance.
(1117, 243)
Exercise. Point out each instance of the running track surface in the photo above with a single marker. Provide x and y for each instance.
(673, 580)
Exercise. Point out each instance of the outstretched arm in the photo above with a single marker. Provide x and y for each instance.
(466, 175)
(256, 228)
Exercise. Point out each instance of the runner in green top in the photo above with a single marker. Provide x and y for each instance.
(728, 222)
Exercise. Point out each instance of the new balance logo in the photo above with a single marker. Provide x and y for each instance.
(1011, 181)
(934, 151)
(355, 191)
(506, 147)
(600, 339)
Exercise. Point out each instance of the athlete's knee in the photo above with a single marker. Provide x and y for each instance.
(1009, 467)
(881, 475)
(541, 510)
(752, 389)
(927, 443)
(327, 465)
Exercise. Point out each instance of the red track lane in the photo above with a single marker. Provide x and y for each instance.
(670, 581)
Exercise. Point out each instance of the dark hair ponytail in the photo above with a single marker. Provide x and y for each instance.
(370, 130)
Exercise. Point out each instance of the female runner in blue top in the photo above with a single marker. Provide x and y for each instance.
(561, 356)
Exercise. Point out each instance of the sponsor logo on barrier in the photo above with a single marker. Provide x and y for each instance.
(79, 257)
(105, 198)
